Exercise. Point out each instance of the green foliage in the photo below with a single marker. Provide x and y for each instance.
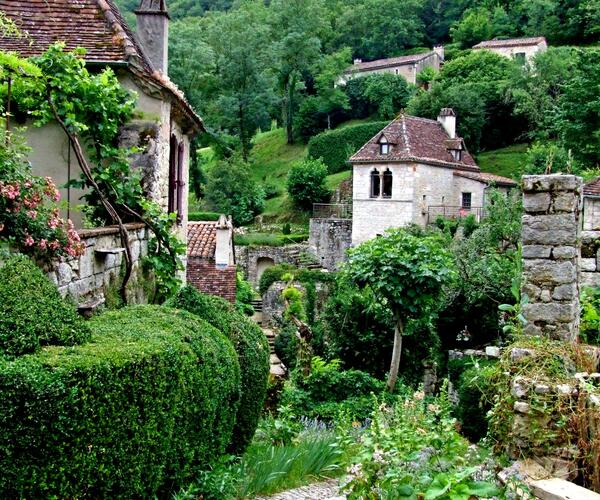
(252, 350)
(244, 295)
(204, 216)
(269, 239)
(132, 413)
(336, 147)
(231, 191)
(388, 93)
(589, 328)
(474, 27)
(549, 158)
(32, 313)
(412, 450)
(306, 184)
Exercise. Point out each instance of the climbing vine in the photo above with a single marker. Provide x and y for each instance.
(91, 109)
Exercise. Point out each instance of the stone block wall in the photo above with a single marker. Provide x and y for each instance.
(207, 278)
(329, 240)
(551, 250)
(88, 278)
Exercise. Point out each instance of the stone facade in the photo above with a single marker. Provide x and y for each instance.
(208, 278)
(524, 48)
(551, 252)
(89, 278)
(329, 240)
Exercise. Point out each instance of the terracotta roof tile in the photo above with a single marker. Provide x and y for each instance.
(416, 140)
(487, 178)
(389, 62)
(96, 25)
(512, 42)
(592, 188)
(202, 239)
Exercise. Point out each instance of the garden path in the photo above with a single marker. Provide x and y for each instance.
(327, 490)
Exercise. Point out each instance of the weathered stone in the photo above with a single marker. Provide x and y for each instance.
(588, 265)
(52, 276)
(541, 389)
(522, 407)
(565, 202)
(546, 296)
(519, 388)
(550, 313)
(65, 274)
(541, 271)
(559, 489)
(559, 467)
(537, 251)
(565, 390)
(86, 265)
(538, 202)
(565, 252)
(518, 353)
(591, 280)
(492, 352)
(532, 291)
(565, 292)
(551, 183)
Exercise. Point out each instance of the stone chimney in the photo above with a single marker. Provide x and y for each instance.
(224, 252)
(440, 51)
(447, 118)
(357, 61)
(153, 32)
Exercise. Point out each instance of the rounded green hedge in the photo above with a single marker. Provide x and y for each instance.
(335, 147)
(133, 413)
(252, 348)
(32, 312)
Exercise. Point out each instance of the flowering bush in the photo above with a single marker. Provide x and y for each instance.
(29, 217)
(412, 450)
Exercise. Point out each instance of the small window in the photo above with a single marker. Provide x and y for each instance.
(466, 200)
(375, 184)
(384, 146)
(520, 57)
(397, 71)
(387, 184)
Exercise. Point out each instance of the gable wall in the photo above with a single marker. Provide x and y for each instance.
(529, 50)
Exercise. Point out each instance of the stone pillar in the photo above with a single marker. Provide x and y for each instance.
(551, 252)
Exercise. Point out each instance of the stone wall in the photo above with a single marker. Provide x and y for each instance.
(551, 250)
(89, 278)
(206, 277)
(329, 240)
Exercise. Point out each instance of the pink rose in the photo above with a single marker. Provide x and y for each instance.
(29, 241)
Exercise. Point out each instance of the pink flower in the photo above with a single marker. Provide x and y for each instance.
(32, 214)
(53, 223)
(1, 227)
(42, 244)
(29, 241)
(54, 245)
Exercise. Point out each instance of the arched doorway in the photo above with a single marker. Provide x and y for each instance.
(262, 264)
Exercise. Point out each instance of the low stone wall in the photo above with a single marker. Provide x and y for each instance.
(207, 278)
(89, 278)
(329, 240)
(590, 259)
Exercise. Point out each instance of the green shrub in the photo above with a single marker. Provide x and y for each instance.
(252, 348)
(269, 239)
(286, 346)
(306, 184)
(32, 313)
(203, 216)
(335, 147)
(131, 414)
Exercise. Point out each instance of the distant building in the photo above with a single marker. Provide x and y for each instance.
(520, 49)
(211, 266)
(407, 66)
(414, 171)
(591, 205)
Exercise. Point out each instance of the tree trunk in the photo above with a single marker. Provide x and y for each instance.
(290, 110)
(396, 355)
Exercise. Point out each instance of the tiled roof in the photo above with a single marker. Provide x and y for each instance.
(386, 63)
(96, 25)
(487, 178)
(202, 239)
(592, 188)
(417, 140)
(512, 42)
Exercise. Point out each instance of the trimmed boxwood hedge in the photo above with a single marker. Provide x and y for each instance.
(32, 312)
(253, 353)
(133, 413)
(335, 147)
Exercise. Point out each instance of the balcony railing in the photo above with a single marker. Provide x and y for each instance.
(332, 211)
(456, 212)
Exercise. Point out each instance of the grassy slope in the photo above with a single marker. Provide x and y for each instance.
(505, 161)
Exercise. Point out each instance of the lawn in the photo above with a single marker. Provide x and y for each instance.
(506, 161)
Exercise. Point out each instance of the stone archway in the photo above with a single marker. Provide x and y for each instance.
(262, 264)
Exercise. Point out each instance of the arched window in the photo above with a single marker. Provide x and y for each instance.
(387, 184)
(375, 184)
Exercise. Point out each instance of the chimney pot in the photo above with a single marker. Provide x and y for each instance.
(447, 118)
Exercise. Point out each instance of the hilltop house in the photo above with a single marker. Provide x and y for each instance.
(520, 49)
(211, 259)
(166, 123)
(407, 66)
(413, 171)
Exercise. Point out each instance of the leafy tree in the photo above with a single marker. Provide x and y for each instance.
(331, 96)
(232, 191)
(306, 183)
(387, 93)
(406, 271)
(549, 157)
(474, 27)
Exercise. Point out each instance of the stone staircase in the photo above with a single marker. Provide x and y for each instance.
(303, 259)
(257, 305)
(277, 367)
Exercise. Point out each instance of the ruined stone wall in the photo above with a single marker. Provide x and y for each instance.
(92, 276)
(329, 240)
(551, 251)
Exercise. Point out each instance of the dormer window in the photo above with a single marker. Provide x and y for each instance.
(384, 146)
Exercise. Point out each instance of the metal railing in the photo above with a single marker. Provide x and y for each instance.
(332, 211)
(453, 212)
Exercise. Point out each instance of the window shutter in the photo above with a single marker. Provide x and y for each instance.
(180, 181)
(172, 174)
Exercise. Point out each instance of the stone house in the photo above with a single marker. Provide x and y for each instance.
(520, 49)
(407, 66)
(211, 258)
(591, 205)
(163, 127)
(413, 171)
(165, 122)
